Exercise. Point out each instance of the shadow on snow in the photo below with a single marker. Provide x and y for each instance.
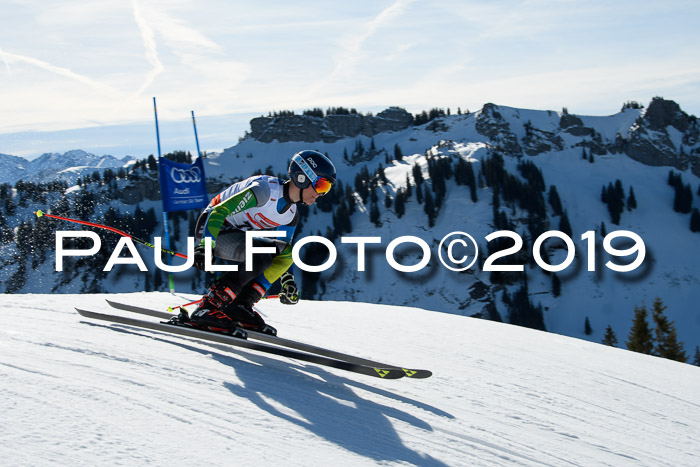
(327, 404)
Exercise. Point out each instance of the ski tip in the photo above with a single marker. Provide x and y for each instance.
(39, 213)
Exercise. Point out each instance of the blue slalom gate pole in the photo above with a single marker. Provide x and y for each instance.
(196, 138)
(171, 281)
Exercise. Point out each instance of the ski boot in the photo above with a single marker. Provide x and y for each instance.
(243, 314)
(209, 315)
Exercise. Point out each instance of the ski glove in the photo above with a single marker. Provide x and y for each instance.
(289, 295)
(199, 257)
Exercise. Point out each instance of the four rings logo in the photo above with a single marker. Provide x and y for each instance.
(190, 175)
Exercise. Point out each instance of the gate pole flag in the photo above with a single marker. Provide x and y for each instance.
(182, 186)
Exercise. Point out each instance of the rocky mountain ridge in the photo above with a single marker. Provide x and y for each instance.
(662, 135)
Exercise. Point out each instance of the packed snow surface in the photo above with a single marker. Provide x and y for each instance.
(80, 391)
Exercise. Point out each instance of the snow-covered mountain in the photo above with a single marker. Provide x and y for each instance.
(78, 391)
(636, 146)
(53, 166)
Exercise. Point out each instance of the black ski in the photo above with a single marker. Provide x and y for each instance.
(384, 373)
(410, 373)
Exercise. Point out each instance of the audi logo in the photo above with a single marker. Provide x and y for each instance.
(190, 175)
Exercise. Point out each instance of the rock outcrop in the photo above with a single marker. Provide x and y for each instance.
(328, 129)
(658, 137)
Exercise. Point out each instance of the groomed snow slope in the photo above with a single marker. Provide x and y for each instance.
(80, 391)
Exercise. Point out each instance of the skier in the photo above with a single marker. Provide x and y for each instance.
(257, 203)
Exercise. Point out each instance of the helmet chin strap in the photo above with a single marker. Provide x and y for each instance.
(301, 195)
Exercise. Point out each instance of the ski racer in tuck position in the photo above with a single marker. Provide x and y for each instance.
(257, 203)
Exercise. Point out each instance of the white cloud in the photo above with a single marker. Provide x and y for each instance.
(150, 48)
(57, 70)
(353, 44)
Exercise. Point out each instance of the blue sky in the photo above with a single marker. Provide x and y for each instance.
(76, 64)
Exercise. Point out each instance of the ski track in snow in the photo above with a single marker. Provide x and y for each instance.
(80, 391)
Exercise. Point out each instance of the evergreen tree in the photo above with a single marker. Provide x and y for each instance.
(615, 197)
(359, 149)
(341, 219)
(388, 200)
(460, 167)
(587, 327)
(374, 197)
(619, 191)
(381, 175)
(471, 182)
(565, 225)
(673, 179)
(398, 153)
(417, 173)
(683, 199)
(152, 164)
(667, 344)
(695, 220)
(555, 201)
(362, 184)
(10, 207)
(400, 203)
(523, 312)
(374, 215)
(19, 278)
(532, 174)
(696, 360)
(609, 338)
(429, 207)
(639, 338)
(631, 200)
(62, 208)
(683, 195)
(439, 171)
(350, 199)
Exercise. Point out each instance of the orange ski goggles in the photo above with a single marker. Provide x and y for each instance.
(322, 185)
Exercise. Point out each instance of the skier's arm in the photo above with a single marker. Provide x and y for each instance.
(283, 261)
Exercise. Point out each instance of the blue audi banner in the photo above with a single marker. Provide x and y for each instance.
(183, 186)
